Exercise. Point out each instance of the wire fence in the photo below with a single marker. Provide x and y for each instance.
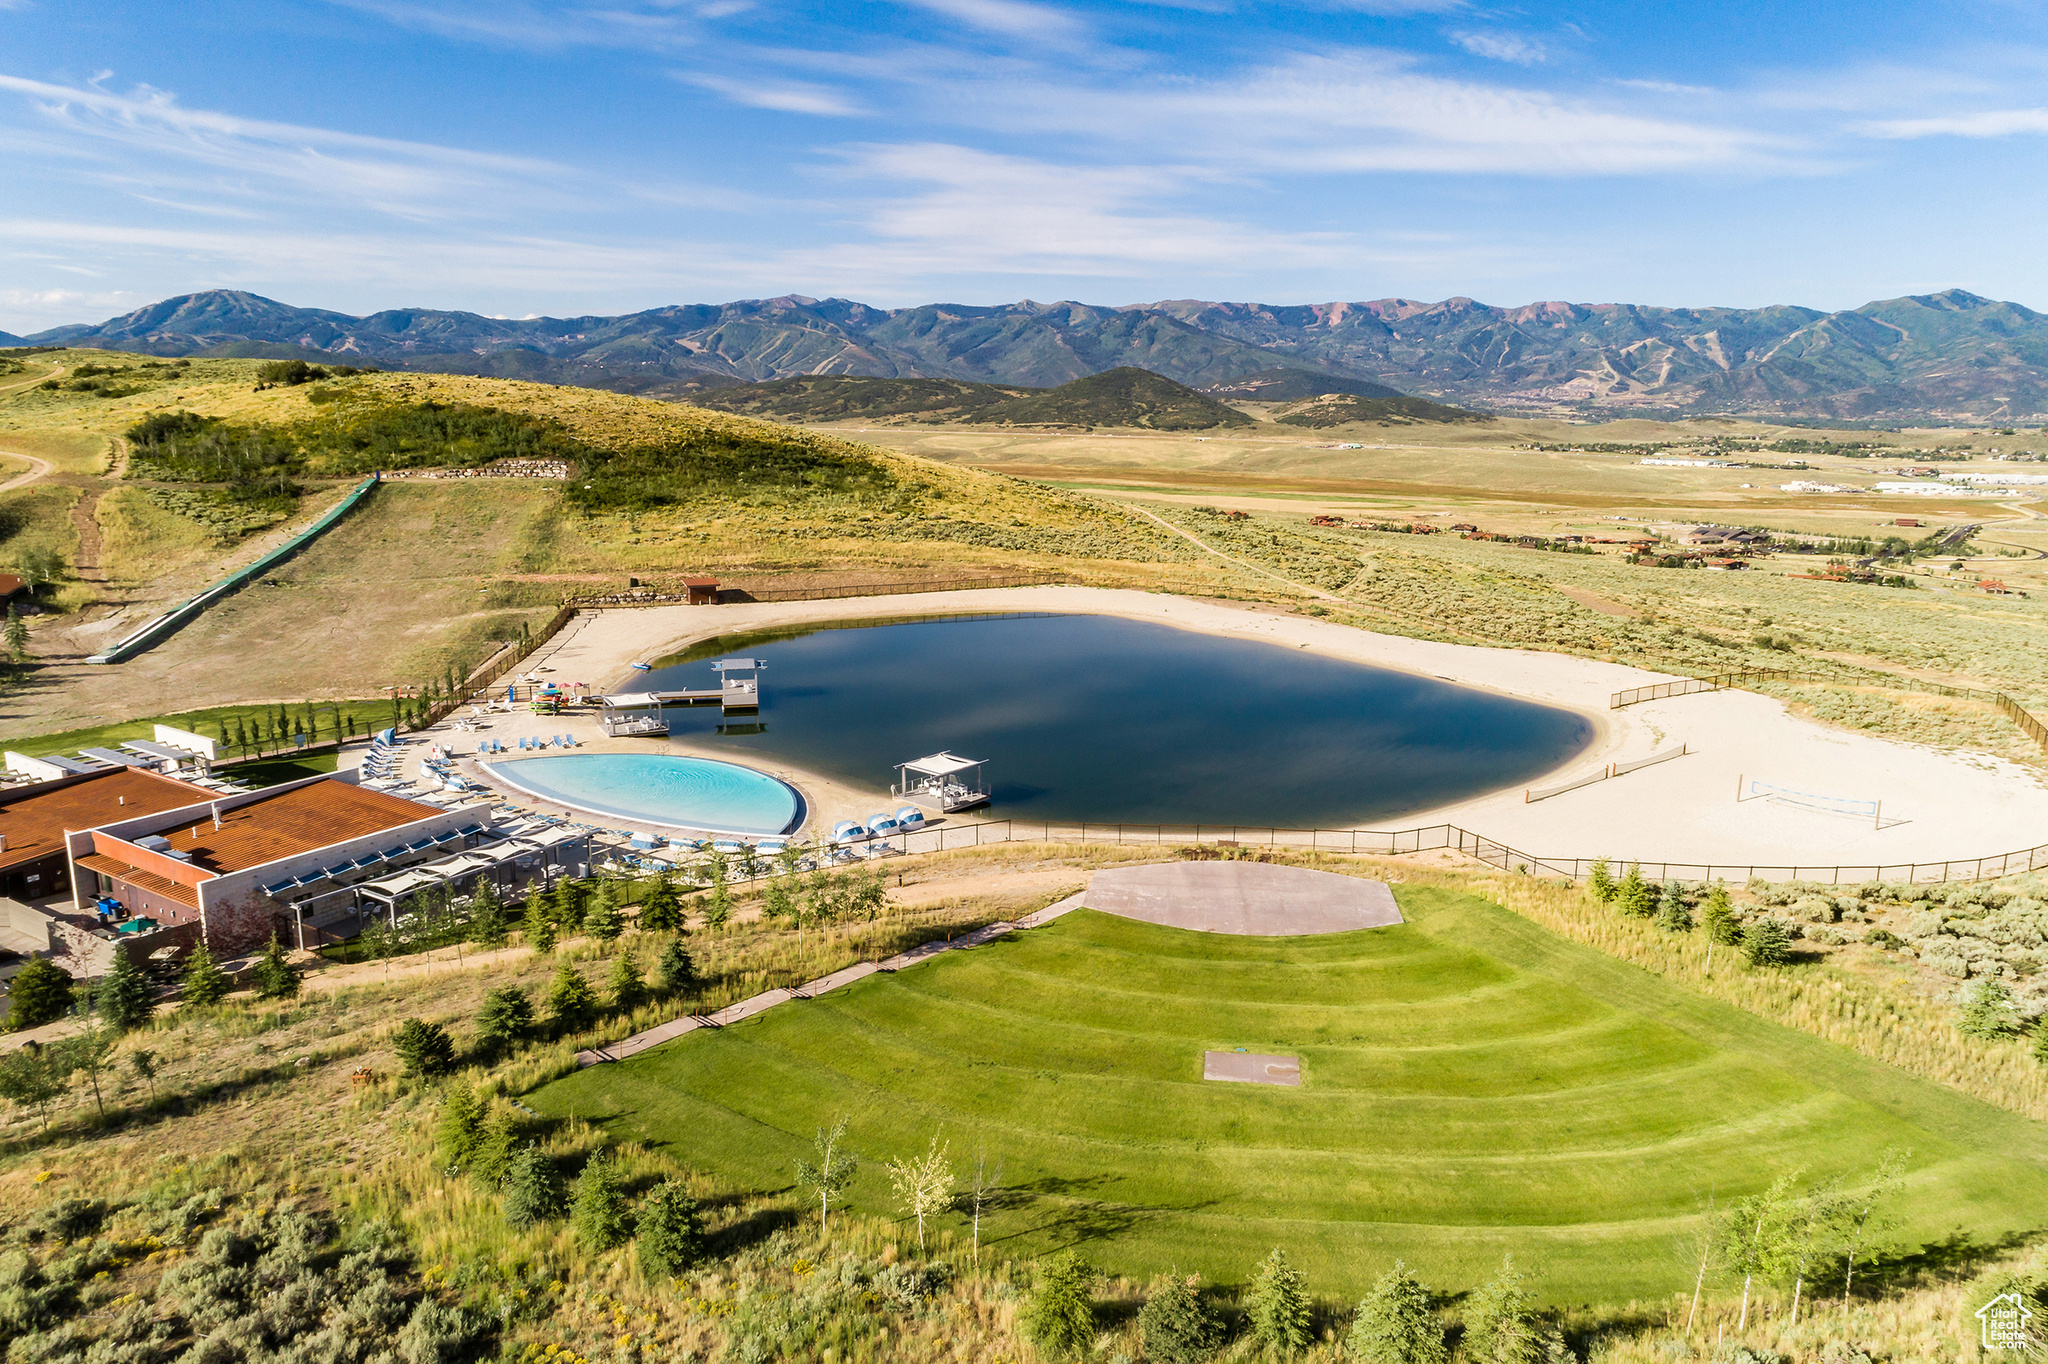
(727, 595)
(1435, 837)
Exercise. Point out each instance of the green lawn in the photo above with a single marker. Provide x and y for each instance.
(1472, 1085)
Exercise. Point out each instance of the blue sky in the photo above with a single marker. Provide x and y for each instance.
(599, 156)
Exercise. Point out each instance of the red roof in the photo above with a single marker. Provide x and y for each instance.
(34, 820)
(309, 817)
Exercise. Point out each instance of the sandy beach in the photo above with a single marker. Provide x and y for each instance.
(1935, 805)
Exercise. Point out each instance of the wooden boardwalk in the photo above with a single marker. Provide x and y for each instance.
(761, 1003)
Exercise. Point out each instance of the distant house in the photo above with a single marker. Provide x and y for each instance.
(1913, 521)
(1726, 563)
(1326, 520)
(13, 588)
(1464, 526)
(702, 591)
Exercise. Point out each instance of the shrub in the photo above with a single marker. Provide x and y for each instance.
(1176, 1324)
(671, 1231)
(1500, 1324)
(40, 993)
(1766, 943)
(1396, 1324)
(533, 1191)
(276, 975)
(1060, 1318)
(600, 1214)
(1987, 1010)
(1278, 1306)
(203, 981)
(506, 1017)
(425, 1048)
(461, 1129)
(1672, 914)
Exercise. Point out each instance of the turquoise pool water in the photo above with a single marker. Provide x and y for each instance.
(655, 788)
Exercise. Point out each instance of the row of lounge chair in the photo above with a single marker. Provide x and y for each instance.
(526, 744)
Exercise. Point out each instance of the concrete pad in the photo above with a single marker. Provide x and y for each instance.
(1251, 1069)
(1256, 899)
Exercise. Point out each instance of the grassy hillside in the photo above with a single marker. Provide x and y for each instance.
(1472, 1087)
(1339, 408)
(1124, 397)
(1284, 385)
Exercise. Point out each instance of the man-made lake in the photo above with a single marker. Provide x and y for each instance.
(1099, 718)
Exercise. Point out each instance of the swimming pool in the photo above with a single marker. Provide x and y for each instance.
(655, 788)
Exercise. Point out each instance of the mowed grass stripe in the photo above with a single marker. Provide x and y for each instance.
(1525, 1095)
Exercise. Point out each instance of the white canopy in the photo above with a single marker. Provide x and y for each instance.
(633, 698)
(941, 765)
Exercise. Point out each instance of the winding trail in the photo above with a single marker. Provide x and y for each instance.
(1205, 547)
(40, 468)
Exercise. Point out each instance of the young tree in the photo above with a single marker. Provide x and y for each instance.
(674, 971)
(1278, 1306)
(1766, 943)
(566, 903)
(533, 1190)
(33, 1077)
(671, 1231)
(126, 999)
(487, 927)
(1672, 915)
(779, 902)
(461, 1129)
(987, 1185)
(1866, 1219)
(1637, 898)
(425, 1048)
(540, 929)
(1600, 881)
(277, 977)
(40, 993)
(506, 1018)
(1812, 1230)
(2041, 1040)
(1752, 1235)
(1718, 918)
(599, 1213)
(833, 1170)
(601, 917)
(90, 1053)
(923, 1184)
(17, 635)
(660, 910)
(496, 1146)
(628, 989)
(143, 1063)
(1501, 1325)
(1396, 1324)
(571, 1001)
(1175, 1324)
(1987, 1010)
(203, 981)
(718, 907)
(1060, 1318)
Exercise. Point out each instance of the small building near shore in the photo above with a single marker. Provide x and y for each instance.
(701, 591)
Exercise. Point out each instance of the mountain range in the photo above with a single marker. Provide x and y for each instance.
(1949, 356)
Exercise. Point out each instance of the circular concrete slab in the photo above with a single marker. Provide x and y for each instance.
(1253, 898)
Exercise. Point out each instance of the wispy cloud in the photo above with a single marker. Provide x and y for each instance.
(1501, 47)
(792, 97)
(1011, 18)
(1990, 123)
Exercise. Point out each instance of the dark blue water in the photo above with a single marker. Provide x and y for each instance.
(1102, 719)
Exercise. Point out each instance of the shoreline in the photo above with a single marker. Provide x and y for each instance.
(1937, 805)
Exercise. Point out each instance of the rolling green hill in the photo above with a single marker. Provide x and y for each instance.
(1284, 384)
(1339, 408)
(1125, 396)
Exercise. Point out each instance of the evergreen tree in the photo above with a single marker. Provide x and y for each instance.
(461, 1129)
(496, 1145)
(671, 1231)
(601, 916)
(571, 1001)
(1635, 895)
(1719, 919)
(718, 909)
(39, 993)
(1396, 1324)
(533, 1191)
(1987, 1010)
(1766, 943)
(1060, 1318)
(628, 989)
(1500, 1324)
(17, 635)
(1599, 881)
(203, 981)
(1175, 1324)
(565, 904)
(675, 972)
(487, 927)
(660, 910)
(599, 1212)
(1672, 915)
(276, 975)
(126, 999)
(1278, 1306)
(425, 1048)
(540, 929)
(506, 1018)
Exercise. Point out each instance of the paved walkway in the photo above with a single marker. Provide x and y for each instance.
(761, 1003)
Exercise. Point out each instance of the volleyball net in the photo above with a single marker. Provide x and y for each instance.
(1812, 800)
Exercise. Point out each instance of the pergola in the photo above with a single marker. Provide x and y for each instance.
(945, 779)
